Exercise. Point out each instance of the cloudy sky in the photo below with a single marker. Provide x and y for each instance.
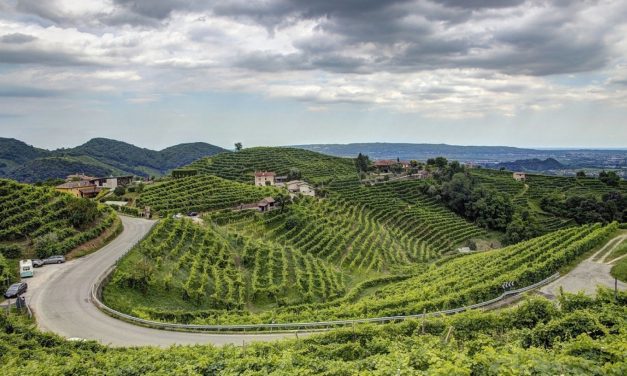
(276, 72)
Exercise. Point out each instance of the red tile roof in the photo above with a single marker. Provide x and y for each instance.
(260, 174)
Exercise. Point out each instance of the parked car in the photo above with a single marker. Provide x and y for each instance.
(37, 263)
(16, 290)
(57, 259)
(192, 214)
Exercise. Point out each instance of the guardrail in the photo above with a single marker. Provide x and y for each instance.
(96, 293)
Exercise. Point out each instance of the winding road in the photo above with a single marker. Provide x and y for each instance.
(59, 296)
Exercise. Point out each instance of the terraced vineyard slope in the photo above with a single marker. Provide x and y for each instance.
(38, 219)
(240, 166)
(200, 193)
(187, 265)
(224, 276)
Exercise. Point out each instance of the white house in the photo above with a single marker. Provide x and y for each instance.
(298, 186)
(263, 178)
(519, 176)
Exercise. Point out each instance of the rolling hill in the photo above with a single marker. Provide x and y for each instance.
(99, 157)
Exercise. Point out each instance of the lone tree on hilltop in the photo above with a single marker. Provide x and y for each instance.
(238, 146)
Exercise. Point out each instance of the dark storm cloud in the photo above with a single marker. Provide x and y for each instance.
(407, 35)
(17, 38)
(480, 4)
(40, 57)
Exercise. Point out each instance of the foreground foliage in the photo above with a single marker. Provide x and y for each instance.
(583, 336)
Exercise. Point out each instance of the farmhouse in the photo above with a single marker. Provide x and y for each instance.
(82, 188)
(113, 181)
(385, 165)
(422, 174)
(519, 176)
(263, 178)
(266, 204)
(299, 186)
(78, 177)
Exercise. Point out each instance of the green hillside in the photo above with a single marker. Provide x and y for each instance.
(98, 157)
(240, 166)
(41, 221)
(581, 336)
(256, 255)
(556, 202)
(42, 169)
(200, 193)
(14, 152)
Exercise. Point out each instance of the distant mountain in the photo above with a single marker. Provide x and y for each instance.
(534, 164)
(14, 152)
(99, 157)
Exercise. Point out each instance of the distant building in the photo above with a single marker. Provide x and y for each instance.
(266, 204)
(519, 176)
(422, 174)
(78, 177)
(113, 181)
(279, 181)
(299, 186)
(264, 178)
(385, 165)
(81, 188)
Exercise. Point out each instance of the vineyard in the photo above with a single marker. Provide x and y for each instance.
(315, 167)
(200, 193)
(29, 213)
(220, 274)
(188, 265)
(528, 194)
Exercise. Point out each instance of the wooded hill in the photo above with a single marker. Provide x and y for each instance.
(97, 157)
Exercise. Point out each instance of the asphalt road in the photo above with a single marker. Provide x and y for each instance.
(588, 274)
(59, 296)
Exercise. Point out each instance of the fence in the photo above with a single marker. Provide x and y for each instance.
(96, 294)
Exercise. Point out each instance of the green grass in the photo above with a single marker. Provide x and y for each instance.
(620, 250)
(619, 270)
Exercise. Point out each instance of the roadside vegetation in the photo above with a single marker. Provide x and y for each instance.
(581, 335)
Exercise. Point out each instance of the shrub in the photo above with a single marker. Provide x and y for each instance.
(11, 251)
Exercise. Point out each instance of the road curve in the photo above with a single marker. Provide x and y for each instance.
(60, 300)
(589, 274)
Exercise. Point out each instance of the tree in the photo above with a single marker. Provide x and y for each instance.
(238, 146)
(456, 193)
(47, 245)
(609, 178)
(294, 174)
(282, 200)
(362, 163)
(81, 212)
(119, 191)
(490, 208)
(581, 174)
